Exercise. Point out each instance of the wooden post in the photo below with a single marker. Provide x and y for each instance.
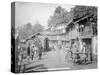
(91, 58)
(91, 47)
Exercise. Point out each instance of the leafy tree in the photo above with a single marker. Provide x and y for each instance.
(60, 16)
(37, 28)
(25, 31)
(28, 30)
(81, 11)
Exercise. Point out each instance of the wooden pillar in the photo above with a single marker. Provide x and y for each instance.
(91, 51)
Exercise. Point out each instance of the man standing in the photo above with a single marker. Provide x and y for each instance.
(40, 52)
(28, 51)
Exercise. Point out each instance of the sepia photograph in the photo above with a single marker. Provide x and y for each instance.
(53, 37)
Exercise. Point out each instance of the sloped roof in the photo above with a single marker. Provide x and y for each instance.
(51, 33)
(59, 37)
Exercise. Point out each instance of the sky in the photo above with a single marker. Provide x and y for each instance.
(29, 12)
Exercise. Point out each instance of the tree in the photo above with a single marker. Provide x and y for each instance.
(37, 28)
(81, 11)
(60, 16)
(28, 30)
(25, 31)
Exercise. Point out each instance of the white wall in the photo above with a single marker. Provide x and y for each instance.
(94, 45)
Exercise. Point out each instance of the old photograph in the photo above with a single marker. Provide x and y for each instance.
(53, 37)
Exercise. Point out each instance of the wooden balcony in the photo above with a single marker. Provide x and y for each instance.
(86, 32)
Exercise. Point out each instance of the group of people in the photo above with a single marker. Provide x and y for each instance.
(27, 55)
(78, 52)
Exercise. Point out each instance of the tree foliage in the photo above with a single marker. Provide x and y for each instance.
(60, 16)
(37, 28)
(28, 30)
(81, 11)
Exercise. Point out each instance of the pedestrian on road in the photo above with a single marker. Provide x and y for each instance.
(28, 52)
(40, 53)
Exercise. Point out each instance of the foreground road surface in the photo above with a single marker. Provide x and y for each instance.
(51, 61)
(54, 60)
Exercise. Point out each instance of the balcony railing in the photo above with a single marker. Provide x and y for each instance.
(86, 31)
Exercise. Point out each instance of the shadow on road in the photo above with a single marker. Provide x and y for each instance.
(36, 68)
